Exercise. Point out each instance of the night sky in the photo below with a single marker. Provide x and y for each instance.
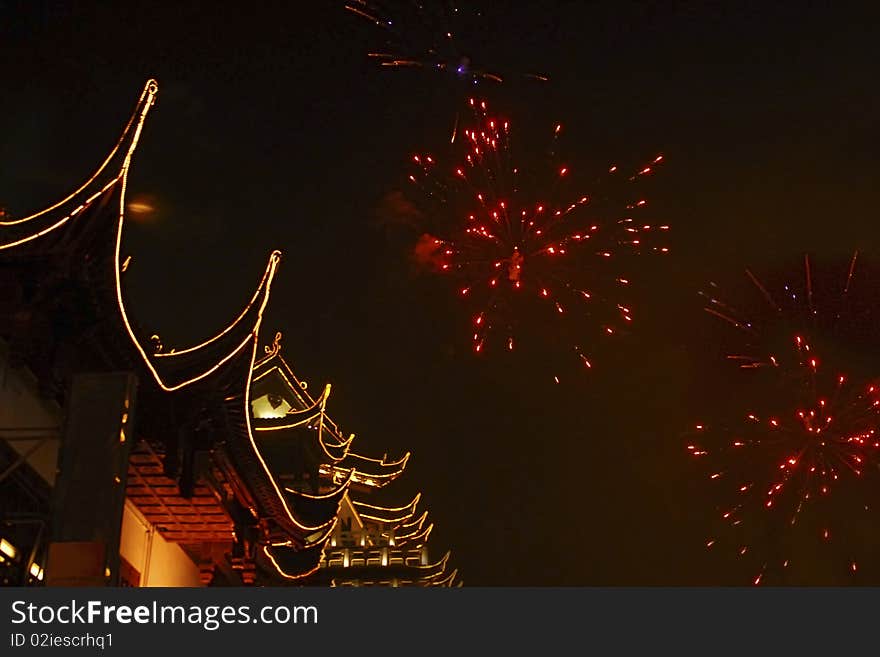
(272, 129)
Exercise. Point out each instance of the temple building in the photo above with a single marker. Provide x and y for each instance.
(369, 544)
(126, 462)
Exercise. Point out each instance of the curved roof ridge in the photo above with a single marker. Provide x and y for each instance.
(419, 536)
(418, 522)
(393, 509)
(439, 566)
(20, 231)
(173, 375)
(307, 416)
(291, 418)
(309, 556)
(263, 426)
(376, 478)
(318, 504)
(136, 120)
(383, 514)
(324, 537)
(267, 275)
(279, 493)
(328, 427)
(344, 445)
(300, 390)
(402, 461)
(447, 580)
(162, 366)
(19, 238)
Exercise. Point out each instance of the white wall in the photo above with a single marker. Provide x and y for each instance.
(159, 562)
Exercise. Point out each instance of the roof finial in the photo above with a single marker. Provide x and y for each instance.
(275, 347)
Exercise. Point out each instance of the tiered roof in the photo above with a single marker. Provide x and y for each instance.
(370, 543)
(232, 439)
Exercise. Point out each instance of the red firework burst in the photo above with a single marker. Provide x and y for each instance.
(796, 473)
(525, 244)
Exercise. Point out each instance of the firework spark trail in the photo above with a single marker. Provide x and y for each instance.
(820, 306)
(426, 35)
(514, 243)
(809, 445)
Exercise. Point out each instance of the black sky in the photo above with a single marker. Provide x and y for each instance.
(273, 130)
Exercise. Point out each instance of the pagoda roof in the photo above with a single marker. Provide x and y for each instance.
(88, 224)
(305, 409)
(42, 231)
(377, 468)
(316, 508)
(312, 420)
(371, 472)
(50, 234)
(434, 573)
(297, 513)
(273, 361)
(415, 533)
(82, 233)
(177, 368)
(295, 563)
(393, 516)
(448, 581)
